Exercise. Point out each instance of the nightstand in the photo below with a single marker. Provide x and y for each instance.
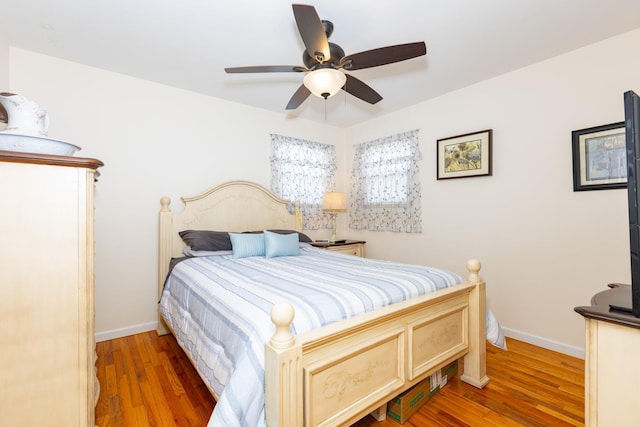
(349, 247)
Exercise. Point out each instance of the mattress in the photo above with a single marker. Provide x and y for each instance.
(218, 308)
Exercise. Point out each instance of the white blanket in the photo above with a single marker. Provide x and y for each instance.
(219, 308)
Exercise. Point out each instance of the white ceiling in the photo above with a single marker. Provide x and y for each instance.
(187, 43)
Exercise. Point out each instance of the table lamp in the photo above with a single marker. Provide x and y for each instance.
(334, 202)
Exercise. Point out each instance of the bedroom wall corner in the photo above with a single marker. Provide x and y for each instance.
(545, 249)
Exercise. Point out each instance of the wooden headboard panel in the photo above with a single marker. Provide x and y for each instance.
(232, 206)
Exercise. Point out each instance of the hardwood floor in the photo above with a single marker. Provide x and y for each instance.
(147, 380)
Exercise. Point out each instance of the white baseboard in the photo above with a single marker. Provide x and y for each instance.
(511, 333)
(124, 332)
(545, 343)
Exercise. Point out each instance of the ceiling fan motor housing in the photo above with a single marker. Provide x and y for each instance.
(328, 27)
(336, 52)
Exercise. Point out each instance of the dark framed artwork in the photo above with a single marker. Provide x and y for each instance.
(599, 157)
(465, 156)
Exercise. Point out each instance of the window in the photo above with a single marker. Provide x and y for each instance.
(303, 171)
(385, 185)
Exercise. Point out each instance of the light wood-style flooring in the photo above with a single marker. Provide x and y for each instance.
(147, 380)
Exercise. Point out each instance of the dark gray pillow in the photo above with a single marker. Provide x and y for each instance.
(301, 236)
(205, 240)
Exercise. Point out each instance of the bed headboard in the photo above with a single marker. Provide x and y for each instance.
(231, 206)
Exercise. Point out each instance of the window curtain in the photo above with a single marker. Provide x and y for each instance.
(385, 185)
(303, 171)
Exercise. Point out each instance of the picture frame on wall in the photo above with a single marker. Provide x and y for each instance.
(465, 156)
(599, 157)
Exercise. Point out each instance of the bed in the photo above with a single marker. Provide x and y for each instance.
(329, 374)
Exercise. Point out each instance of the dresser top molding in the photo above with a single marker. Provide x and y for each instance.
(49, 159)
(600, 309)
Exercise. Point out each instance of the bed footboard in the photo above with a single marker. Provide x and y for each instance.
(337, 374)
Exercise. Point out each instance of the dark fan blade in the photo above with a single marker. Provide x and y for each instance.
(267, 69)
(361, 90)
(312, 32)
(383, 56)
(298, 98)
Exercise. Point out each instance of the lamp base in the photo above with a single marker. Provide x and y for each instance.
(333, 215)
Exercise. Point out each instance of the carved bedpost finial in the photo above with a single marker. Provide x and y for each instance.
(282, 315)
(164, 203)
(473, 265)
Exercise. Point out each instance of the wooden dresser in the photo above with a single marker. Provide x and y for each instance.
(612, 362)
(47, 356)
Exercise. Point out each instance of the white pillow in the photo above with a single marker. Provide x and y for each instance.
(187, 251)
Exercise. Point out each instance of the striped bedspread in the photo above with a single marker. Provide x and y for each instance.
(219, 308)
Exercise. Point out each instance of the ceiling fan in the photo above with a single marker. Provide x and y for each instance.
(325, 61)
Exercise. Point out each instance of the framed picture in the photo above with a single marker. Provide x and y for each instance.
(465, 155)
(599, 157)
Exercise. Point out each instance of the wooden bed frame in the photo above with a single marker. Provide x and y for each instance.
(337, 374)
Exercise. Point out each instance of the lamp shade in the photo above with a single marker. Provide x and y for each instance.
(325, 82)
(334, 201)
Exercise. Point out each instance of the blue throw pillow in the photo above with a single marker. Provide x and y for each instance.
(281, 244)
(246, 245)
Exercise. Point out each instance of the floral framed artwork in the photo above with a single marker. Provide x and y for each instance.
(465, 156)
(599, 157)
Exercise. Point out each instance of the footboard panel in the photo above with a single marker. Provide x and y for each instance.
(352, 367)
(437, 338)
(346, 377)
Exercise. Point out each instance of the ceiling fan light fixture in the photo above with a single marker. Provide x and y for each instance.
(325, 82)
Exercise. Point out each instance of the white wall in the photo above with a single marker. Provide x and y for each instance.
(4, 64)
(545, 249)
(155, 141)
